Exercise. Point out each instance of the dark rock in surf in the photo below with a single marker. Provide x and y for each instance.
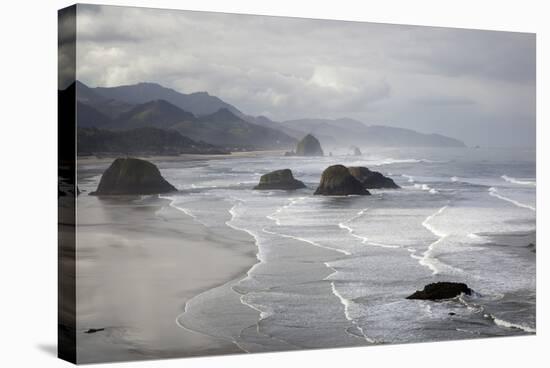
(309, 146)
(94, 330)
(279, 179)
(337, 180)
(441, 290)
(132, 176)
(372, 179)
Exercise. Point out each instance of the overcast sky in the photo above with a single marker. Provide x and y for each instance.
(478, 86)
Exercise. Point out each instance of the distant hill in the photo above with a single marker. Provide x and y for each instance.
(198, 103)
(157, 113)
(109, 107)
(151, 141)
(227, 129)
(201, 116)
(89, 117)
(340, 132)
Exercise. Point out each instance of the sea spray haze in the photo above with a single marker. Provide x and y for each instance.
(223, 168)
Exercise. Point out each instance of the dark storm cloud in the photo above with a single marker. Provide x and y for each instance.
(289, 68)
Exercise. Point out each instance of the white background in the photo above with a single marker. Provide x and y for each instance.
(28, 223)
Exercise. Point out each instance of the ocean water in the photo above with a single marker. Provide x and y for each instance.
(335, 271)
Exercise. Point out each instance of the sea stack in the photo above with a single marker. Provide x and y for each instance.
(309, 146)
(441, 290)
(372, 179)
(337, 180)
(279, 179)
(356, 151)
(132, 176)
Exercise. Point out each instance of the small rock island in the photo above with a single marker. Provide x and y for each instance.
(441, 290)
(337, 180)
(132, 176)
(309, 146)
(279, 179)
(372, 179)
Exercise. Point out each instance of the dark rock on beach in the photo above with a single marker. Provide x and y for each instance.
(441, 290)
(372, 179)
(309, 146)
(132, 176)
(337, 180)
(279, 179)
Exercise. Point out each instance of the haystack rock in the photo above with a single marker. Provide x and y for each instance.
(337, 180)
(279, 179)
(441, 290)
(356, 151)
(132, 176)
(309, 146)
(372, 179)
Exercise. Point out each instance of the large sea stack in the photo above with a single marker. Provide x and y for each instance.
(309, 146)
(337, 180)
(372, 179)
(279, 179)
(132, 176)
(441, 290)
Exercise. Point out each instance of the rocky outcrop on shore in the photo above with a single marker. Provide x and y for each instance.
(441, 290)
(132, 176)
(279, 179)
(337, 180)
(372, 179)
(309, 146)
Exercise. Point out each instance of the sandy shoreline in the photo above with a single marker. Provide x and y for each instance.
(138, 262)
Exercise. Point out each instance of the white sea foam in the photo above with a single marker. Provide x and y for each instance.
(476, 238)
(364, 240)
(425, 187)
(274, 216)
(187, 211)
(512, 180)
(427, 259)
(347, 304)
(494, 192)
(454, 179)
(410, 178)
(311, 242)
(391, 161)
(503, 323)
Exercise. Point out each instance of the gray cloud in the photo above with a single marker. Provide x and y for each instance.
(426, 78)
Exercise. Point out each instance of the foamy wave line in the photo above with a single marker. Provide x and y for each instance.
(180, 324)
(292, 202)
(345, 252)
(426, 187)
(391, 161)
(364, 240)
(410, 178)
(494, 192)
(347, 303)
(182, 209)
(512, 180)
(427, 259)
(497, 321)
(503, 323)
